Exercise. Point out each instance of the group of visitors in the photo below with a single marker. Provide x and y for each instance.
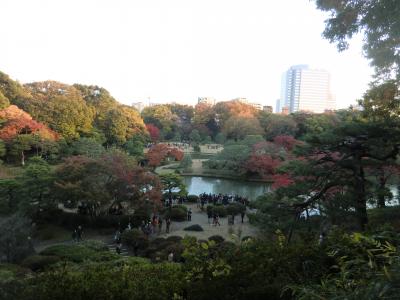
(174, 199)
(224, 199)
(155, 225)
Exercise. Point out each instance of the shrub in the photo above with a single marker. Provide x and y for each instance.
(78, 253)
(235, 209)
(39, 262)
(195, 227)
(220, 211)
(135, 236)
(216, 238)
(192, 198)
(176, 213)
(174, 238)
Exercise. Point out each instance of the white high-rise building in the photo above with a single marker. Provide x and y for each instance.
(305, 89)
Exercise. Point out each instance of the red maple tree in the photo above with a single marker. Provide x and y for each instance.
(153, 131)
(159, 152)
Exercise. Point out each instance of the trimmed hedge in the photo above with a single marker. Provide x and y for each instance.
(78, 253)
(135, 236)
(220, 210)
(195, 227)
(235, 209)
(176, 213)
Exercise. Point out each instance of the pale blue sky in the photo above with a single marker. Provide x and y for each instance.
(174, 50)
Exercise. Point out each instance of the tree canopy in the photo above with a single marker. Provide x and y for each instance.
(377, 20)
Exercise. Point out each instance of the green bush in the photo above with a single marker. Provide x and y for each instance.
(176, 213)
(174, 238)
(138, 281)
(195, 227)
(39, 262)
(235, 209)
(135, 237)
(220, 211)
(192, 198)
(216, 238)
(78, 253)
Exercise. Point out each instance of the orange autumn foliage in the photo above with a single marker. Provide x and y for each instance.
(159, 152)
(15, 121)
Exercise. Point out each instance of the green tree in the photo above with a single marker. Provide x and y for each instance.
(86, 146)
(9, 194)
(121, 124)
(60, 106)
(162, 117)
(4, 102)
(274, 125)
(99, 99)
(20, 145)
(135, 146)
(3, 149)
(36, 187)
(337, 160)
(377, 20)
(251, 140)
(11, 90)
(186, 163)
(220, 138)
(195, 136)
(237, 127)
(172, 182)
(15, 242)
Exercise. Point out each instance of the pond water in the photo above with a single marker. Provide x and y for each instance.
(197, 185)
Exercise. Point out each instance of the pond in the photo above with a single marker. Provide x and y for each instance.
(197, 185)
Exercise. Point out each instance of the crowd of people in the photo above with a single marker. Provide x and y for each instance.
(224, 199)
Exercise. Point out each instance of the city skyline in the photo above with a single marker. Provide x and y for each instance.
(177, 51)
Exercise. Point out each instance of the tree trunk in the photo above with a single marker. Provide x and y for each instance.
(381, 194)
(360, 195)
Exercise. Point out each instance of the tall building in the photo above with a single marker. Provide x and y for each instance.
(278, 106)
(207, 100)
(305, 89)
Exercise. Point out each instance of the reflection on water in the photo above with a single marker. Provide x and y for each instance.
(197, 185)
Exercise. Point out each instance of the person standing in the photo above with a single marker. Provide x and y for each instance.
(168, 224)
(118, 249)
(242, 215)
(74, 235)
(159, 224)
(79, 233)
(217, 220)
(171, 257)
(189, 215)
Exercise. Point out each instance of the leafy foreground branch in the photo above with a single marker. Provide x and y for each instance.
(345, 266)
